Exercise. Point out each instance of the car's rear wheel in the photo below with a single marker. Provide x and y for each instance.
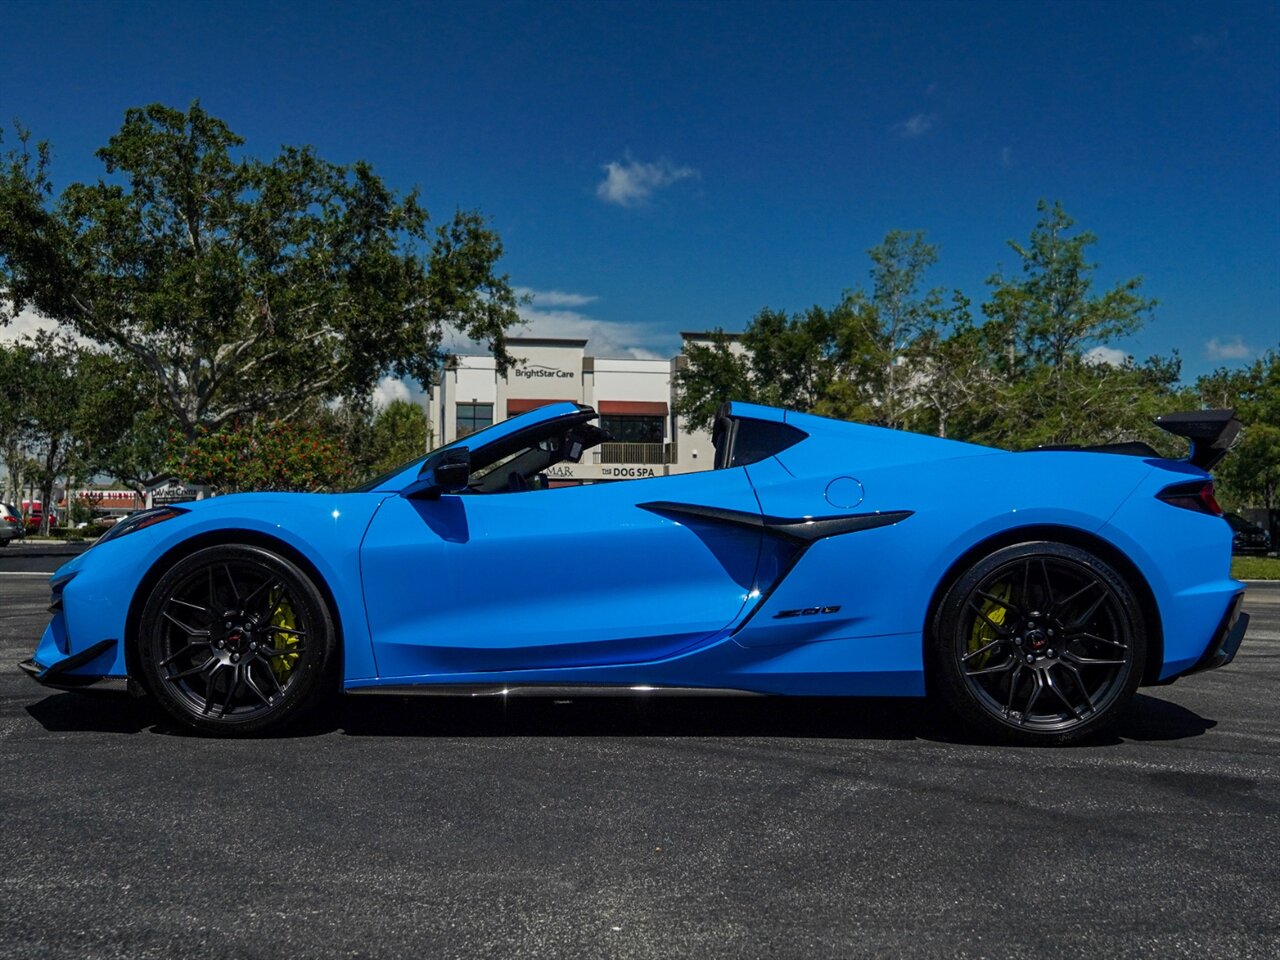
(1039, 643)
(236, 639)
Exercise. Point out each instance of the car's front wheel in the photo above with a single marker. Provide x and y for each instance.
(1039, 643)
(236, 639)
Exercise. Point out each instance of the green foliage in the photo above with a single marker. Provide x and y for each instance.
(41, 382)
(1042, 323)
(1251, 474)
(264, 456)
(708, 376)
(1049, 313)
(954, 380)
(793, 358)
(397, 433)
(80, 510)
(902, 354)
(243, 287)
(898, 318)
(850, 360)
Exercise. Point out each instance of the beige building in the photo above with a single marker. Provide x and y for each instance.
(633, 398)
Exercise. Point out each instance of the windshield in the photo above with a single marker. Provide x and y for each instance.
(382, 478)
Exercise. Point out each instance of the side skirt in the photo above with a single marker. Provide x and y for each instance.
(558, 690)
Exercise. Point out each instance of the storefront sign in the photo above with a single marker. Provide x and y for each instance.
(539, 372)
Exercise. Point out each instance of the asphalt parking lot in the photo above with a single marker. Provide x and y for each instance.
(771, 828)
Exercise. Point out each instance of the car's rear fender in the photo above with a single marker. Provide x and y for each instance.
(1185, 556)
(884, 581)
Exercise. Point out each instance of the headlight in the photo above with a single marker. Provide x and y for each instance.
(147, 518)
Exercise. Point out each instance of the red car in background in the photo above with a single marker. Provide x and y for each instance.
(33, 510)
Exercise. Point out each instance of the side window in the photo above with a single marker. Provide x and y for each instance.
(739, 443)
(473, 417)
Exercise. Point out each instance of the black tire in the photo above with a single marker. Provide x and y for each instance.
(236, 640)
(1038, 643)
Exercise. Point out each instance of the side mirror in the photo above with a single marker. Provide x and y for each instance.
(451, 472)
(446, 472)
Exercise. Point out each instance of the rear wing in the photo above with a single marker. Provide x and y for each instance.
(1211, 432)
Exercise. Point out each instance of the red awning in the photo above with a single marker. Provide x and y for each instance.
(515, 405)
(633, 408)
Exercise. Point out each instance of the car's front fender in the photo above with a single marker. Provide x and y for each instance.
(95, 592)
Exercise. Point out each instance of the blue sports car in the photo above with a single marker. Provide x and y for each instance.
(1032, 592)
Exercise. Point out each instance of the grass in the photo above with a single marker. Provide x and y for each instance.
(1255, 568)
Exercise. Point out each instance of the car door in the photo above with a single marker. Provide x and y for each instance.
(575, 576)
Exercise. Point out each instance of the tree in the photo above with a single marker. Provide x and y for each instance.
(898, 318)
(1050, 314)
(793, 359)
(120, 430)
(1251, 474)
(40, 383)
(11, 403)
(1042, 325)
(261, 456)
(240, 286)
(952, 381)
(398, 432)
(707, 377)
(1082, 402)
(851, 360)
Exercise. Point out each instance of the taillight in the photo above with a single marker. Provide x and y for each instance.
(1196, 495)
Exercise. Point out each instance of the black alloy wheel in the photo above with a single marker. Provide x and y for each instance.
(1039, 643)
(236, 640)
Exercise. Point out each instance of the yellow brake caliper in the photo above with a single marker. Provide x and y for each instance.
(983, 632)
(284, 618)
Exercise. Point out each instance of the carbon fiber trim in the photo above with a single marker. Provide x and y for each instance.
(799, 530)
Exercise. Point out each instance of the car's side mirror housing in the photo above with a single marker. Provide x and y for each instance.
(446, 472)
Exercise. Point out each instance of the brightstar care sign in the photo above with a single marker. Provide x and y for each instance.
(532, 372)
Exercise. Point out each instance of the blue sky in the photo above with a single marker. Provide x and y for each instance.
(662, 167)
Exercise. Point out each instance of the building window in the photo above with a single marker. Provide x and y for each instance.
(633, 429)
(636, 439)
(473, 417)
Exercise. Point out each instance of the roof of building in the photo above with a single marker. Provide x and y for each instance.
(709, 335)
(547, 342)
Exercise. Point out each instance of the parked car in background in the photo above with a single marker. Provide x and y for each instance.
(1248, 537)
(33, 510)
(10, 524)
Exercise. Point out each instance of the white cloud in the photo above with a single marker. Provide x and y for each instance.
(914, 127)
(631, 183)
(605, 338)
(553, 318)
(1111, 356)
(555, 298)
(1233, 349)
(24, 324)
(388, 390)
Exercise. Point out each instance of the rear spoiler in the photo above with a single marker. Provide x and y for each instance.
(1211, 432)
